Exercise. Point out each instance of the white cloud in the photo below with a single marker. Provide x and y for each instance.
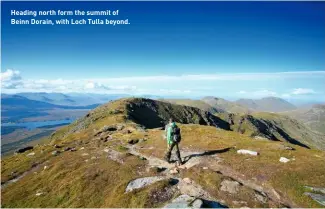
(174, 91)
(302, 91)
(242, 92)
(10, 75)
(286, 95)
(220, 77)
(258, 93)
(265, 93)
(11, 79)
(200, 84)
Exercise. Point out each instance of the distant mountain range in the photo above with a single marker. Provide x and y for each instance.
(72, 99)
(267, 104)
(15, 108)
(312, 116)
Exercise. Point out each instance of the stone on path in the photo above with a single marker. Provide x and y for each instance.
(142, 182)
(182, 201)
(248, 152)
(31, 154)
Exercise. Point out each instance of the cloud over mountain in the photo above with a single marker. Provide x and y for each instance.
(299, 91)
(226, 85)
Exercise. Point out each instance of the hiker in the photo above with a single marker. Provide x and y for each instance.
(173, 136)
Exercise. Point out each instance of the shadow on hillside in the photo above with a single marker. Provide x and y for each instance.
(206, 153)
(290, 139)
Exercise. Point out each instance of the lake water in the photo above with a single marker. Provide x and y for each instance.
(37, 124)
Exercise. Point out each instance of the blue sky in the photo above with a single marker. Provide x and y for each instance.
(188, 49)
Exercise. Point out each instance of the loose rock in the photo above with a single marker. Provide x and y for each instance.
(31, 154)
(284, 160)
(39, 193)
(249, 152)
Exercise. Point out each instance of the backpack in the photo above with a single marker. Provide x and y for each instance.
(176, 134)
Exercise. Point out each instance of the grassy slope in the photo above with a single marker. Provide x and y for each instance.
(69, 181)
(308, 168)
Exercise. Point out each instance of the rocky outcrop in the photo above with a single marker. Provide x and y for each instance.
(154, 114)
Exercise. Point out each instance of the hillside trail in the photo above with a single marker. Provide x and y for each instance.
(210, 160)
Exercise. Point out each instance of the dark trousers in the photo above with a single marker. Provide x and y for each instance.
(169, 152)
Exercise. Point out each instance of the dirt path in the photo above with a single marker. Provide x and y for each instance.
(212, 161)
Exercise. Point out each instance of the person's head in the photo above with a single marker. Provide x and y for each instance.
(171, 120)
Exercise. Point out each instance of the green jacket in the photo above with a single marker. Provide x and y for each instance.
(169, 132)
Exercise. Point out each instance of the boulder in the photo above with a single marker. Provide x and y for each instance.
(248, 152)
(182, 201)
(230, 186)
(24, 149)
(142, 182)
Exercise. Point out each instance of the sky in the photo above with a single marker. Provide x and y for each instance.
(181, 49)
